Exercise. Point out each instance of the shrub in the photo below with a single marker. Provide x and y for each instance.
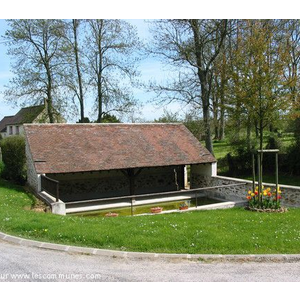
(269, 158)
(1, 168)
(241, 160)
(14, 158)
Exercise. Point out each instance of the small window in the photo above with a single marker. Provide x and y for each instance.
(10, 128)
(17, 130)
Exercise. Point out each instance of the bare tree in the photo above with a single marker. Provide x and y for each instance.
(74, 72)
(34, 46)
(110, 50)
(191, 46)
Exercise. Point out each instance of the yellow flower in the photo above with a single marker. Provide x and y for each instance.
(265, 193)
(252, 194)
(249, 192)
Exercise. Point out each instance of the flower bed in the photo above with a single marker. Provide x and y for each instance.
(279, 210)
(267, 201)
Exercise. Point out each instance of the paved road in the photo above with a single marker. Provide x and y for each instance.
(20, 263)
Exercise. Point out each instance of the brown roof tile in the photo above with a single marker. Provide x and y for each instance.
(64, 148)
(4, 122)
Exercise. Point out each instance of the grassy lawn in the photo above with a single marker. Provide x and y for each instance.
(231, 231)
(283, 179)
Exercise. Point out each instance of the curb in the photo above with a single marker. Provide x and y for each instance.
(287, 258)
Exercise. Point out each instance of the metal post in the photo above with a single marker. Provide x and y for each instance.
(57, 192)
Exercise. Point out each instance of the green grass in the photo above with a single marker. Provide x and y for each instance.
(231, 231)
(222, 148)
(283, 179)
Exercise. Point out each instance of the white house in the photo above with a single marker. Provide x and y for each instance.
(13, 125)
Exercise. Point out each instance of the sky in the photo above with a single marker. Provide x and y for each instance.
(135, 12)
(150, 68)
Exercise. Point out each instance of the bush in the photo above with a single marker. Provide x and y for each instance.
(1, 168)
(293, 159)
(241, 161)
(269, 158)
(14, 158)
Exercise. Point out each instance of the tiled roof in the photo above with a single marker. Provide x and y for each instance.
(26, 115)
(65, 148)
(3, 123)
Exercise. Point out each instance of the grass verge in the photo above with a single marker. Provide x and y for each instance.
(230, 231)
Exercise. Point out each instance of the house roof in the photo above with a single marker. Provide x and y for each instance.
(65, 148)
(26, 115)
(3, 123)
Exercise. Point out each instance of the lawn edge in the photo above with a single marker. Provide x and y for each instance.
(205, 258)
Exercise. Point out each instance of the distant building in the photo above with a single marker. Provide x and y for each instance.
(13, 125)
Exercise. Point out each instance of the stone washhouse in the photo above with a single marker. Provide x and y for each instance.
(80, 162)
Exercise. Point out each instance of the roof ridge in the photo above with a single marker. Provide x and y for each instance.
(98, 124)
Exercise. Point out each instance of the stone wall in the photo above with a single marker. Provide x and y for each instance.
(32, 177)
(290, 194)
(95, 185)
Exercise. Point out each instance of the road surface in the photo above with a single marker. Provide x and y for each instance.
(20, 263)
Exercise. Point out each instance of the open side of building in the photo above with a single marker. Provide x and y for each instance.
(79, 162)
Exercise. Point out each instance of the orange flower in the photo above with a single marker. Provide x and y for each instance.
(249, 197)
(256, 192)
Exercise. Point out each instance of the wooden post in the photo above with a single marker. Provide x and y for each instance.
(276, 165)
(259, 175)
(253, 173)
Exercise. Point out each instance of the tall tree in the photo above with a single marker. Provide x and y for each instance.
(110, 50)
(34, 46)
(74, 72)
(191, 46)
(261, 70)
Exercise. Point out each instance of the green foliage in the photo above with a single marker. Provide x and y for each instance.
(108, 118)
(1, 168)
(241, 160)
(14, 158)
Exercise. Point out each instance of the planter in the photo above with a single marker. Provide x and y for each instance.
(155, 210)
(110, 214)
(183, 207)
(268, 210)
